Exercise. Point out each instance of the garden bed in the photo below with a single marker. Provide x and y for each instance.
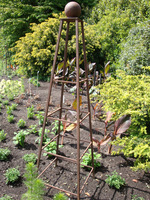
(64, 176)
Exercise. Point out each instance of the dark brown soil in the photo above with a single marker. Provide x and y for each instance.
(64, 175)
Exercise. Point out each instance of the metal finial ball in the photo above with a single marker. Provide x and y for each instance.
(72, 9)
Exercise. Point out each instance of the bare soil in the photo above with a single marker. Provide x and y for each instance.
(65, 174)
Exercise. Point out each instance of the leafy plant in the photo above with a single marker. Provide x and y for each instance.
(6, 197)
(2, 135)
(50, 148)
(19, 139)
(14, 106)
(30, 112)
(32, 157)
(115, 180)
(35, 186)
(21, 123)
(55, 128)
(12, 175)
(60, 196)
(4, 153)
(87, 159)
(5, 102)
(134, 197)
(33, 129)
(45, 138)
(40, 117)
(10, 118)
(9, 110)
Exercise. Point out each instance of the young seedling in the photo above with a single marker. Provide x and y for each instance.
(50, 148)
(6, 197)
(35, 186)
(19, 139)
(32, 157)
(21, 123)
(10, 118)
(2, 135)
(40, 117)
(12, 175)
(30, 112)
(87, 159)
(14, 106)
(4, 153)
(60, 196)
(115, 180)
(9, 110)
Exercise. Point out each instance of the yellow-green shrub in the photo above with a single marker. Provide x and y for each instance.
(128, 94)
(35, 51)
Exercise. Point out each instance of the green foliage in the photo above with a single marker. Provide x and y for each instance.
(60, 196)
(37, 49)
(128, 94)
(14, 106)
(50, 148)
(19, 139)
(9, 110)
(11, 87)
(12, 175)
(55, 128)
(21, 123)
(10, 118)
(6, 102)
(135, 50)
(4, 153)
(33, 129)
(2, 135)
(87, 159)
(35, 82)
(30, 112)
(115, 180)
(113, 20)
(6, 197)
(32, 157)
(45, 138)
(35, 186)
(134, 197)
(40, 117)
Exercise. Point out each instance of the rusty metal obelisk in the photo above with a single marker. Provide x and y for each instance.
(72, 11)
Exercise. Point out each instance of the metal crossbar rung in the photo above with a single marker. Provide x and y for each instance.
(49, 114)
(62, 81)
(85, 150)
(50, 142)
(62, 120)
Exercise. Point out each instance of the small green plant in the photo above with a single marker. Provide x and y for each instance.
(56, 127)
(33, 129)
(115, 180)
(40, 117)
(60, 196)
(87, 159)
(134, 197)
(14, 106)
(32, 157)
(45, 138)
(6, 197)
(30, 112)
(6, 102)
(10, 96)
(9, 110)
(2, 135)
(10, 118)
(19, 139)
(35, 82)
(35, 186)
(21, 123)
(4, 153)
(12, 175)
(50, 148)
